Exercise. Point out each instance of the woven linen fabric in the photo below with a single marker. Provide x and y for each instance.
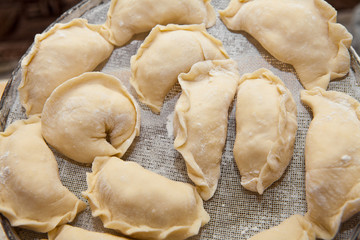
(235, 212)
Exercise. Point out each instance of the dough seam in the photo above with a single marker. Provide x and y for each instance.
(285, 141)
(148, 42)
(126, 228)
(80, 22)
(338, 61)
(343, 45)
(107, 33)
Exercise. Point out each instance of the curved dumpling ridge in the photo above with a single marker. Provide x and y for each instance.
(153, 74)
(63, 52)
(200, 121)
(31, 194)
(322, 53)
(250, 143)
(332, 160)
(124, 18)
(142, 204)
(91, 115)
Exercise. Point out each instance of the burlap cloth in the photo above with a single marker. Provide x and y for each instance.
(235, 212)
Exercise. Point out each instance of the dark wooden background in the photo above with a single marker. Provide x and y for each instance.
(20, 20)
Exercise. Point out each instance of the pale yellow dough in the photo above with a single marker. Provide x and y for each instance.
(2, 87)
(265, 129)
(31, 194)
(126, 18)
(67, 232)
(294, 228)
(90, 115)
(63, 52)
(167, 52)
(143, 204)
(200, 122)
(302, 33)
(332, 160)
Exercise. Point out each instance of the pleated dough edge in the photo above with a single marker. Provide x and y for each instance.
(322, 232)
(282, 150)
(24, 223)
(26, 61)
(147, 43)
(46, 226)
(199, 179)
(294, 221)
(106, 32)
(338, 66)
(354, 204)
(15, 125)
(127, 229)
(338, 33)
(331, 95)
(230, 11)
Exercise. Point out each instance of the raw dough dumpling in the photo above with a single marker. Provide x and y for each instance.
(265, 129)
(201, 116)
(67, 232)
(126, 18)
(31, 194)
(143, 204)
(167, 52)
(294, 228)
(332, 160)
(90, 115)
(302, 33)
(63, 52)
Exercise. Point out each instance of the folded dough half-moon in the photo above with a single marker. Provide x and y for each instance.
(302, 33)
(332, 160)
(67, 232)
(265, 129)
(201, 116)
(295, 227)
(90, 115)
(126, 18)
(167, 52)
(31, 194)
(143, 204)
(63, 52)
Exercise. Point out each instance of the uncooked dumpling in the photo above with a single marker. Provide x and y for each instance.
(302, 33)
(67, 232)
(126, 18)
(31, 194)
(63, 52)
(167, 52)
(200, 122)
(90, 115)
(294, 228)
(332, 160)
(265, 129)
(143, 204)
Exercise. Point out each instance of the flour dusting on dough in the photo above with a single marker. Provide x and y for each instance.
(169, 125)
(4, 170)
(346, 158)
(4, 174)
(4, 156)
